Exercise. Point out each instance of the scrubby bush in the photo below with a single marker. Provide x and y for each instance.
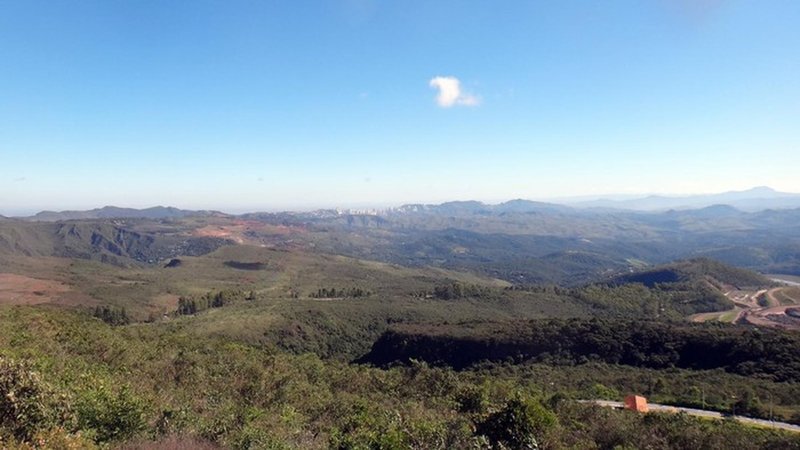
(520, 424)
(471, 399)
(110, 414)
(28, 404)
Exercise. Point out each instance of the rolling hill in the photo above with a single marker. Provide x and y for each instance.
(698, 269)
(113, 212)
(100, 240)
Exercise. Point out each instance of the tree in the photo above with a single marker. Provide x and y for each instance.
(518, 424)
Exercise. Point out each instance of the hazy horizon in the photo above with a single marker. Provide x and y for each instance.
(570, 200)
(361, 103)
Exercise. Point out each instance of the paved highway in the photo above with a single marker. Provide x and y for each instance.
(701, 413)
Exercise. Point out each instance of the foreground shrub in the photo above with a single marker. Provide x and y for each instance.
(109, 414)
(521, 424)
(27, 404)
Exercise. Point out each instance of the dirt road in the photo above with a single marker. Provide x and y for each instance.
(764, 307)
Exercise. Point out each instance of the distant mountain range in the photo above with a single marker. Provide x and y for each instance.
(113, 212)
(751, 200)
(726, 203)
(520, 241)
(755, 199)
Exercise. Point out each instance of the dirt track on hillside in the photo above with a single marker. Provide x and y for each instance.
(748, 309)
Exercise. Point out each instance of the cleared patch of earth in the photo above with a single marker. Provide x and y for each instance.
(774, 314)
(248, 232)
(728, 316)
(21, 290)
(765, 308)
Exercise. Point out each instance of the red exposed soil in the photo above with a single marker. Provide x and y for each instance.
(771, 316)
(245, 231)
(22, 290)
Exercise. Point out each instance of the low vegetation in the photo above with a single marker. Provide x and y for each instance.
(217, 391)
(159, 333)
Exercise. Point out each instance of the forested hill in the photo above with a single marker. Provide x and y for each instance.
(695, 270)
(648, 344)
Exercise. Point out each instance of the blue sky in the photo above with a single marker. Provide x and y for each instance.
(294, 105)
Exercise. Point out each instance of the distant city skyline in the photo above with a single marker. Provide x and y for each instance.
(257, 106)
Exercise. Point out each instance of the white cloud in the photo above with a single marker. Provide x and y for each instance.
(450, 93)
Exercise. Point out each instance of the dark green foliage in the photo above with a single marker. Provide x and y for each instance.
(455, 291)
(245, 265)
(217, 299)
(641, 344)
(352, 292)
(472, 399)
(174, 262)
(520, 424)
(111, 315)
(110, 414)
(695, 269)
(186, 306)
